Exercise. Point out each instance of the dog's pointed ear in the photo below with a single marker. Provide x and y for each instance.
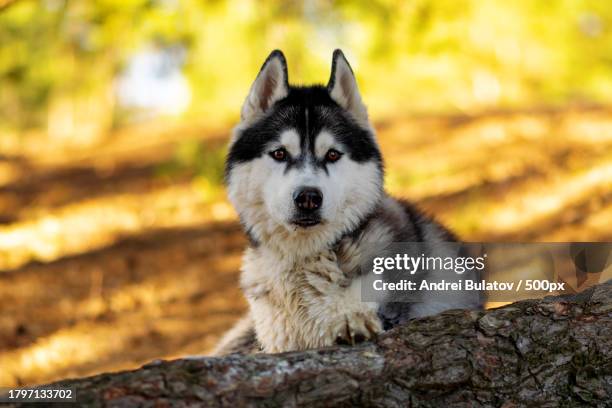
(342, 87)
(271, 85)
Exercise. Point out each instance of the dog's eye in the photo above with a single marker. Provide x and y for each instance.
(279, 154)
(333, 155)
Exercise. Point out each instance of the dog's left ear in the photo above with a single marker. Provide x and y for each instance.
(342, 87)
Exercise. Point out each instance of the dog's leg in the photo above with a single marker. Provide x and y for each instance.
(239, 339)
(334, 302)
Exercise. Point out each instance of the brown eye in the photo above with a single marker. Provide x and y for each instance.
(332, 155)
(279, 154)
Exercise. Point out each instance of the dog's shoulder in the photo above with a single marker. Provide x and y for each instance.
(423, 226)
(397, 220)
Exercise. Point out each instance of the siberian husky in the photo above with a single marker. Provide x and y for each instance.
(305, 174)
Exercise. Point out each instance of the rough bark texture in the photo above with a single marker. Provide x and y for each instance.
(545, 353)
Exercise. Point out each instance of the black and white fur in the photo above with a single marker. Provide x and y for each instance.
(311, 213)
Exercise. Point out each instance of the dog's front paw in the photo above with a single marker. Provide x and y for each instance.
(357, 327)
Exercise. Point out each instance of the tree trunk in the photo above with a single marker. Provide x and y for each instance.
(546, 353)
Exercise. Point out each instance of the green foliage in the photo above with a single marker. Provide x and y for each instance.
(439, 55)
(205, 162)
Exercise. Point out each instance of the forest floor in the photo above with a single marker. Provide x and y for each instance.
(107, 263)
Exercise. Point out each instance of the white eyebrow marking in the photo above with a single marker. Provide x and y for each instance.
(290, 139)
(323, 143)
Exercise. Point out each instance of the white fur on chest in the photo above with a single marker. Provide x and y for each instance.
(299, 304)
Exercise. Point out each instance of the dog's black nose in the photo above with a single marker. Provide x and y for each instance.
(308, 198)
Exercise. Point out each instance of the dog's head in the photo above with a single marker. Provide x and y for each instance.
(303, 166)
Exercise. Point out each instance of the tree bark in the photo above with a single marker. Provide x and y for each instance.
(546, 353)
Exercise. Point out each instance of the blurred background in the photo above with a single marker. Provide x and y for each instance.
(117, 245)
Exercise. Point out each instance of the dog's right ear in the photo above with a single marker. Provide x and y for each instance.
(271, 85)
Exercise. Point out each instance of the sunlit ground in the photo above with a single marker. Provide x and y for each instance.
(106, 263)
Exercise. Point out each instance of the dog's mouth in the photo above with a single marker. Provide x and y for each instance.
(306, 222)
